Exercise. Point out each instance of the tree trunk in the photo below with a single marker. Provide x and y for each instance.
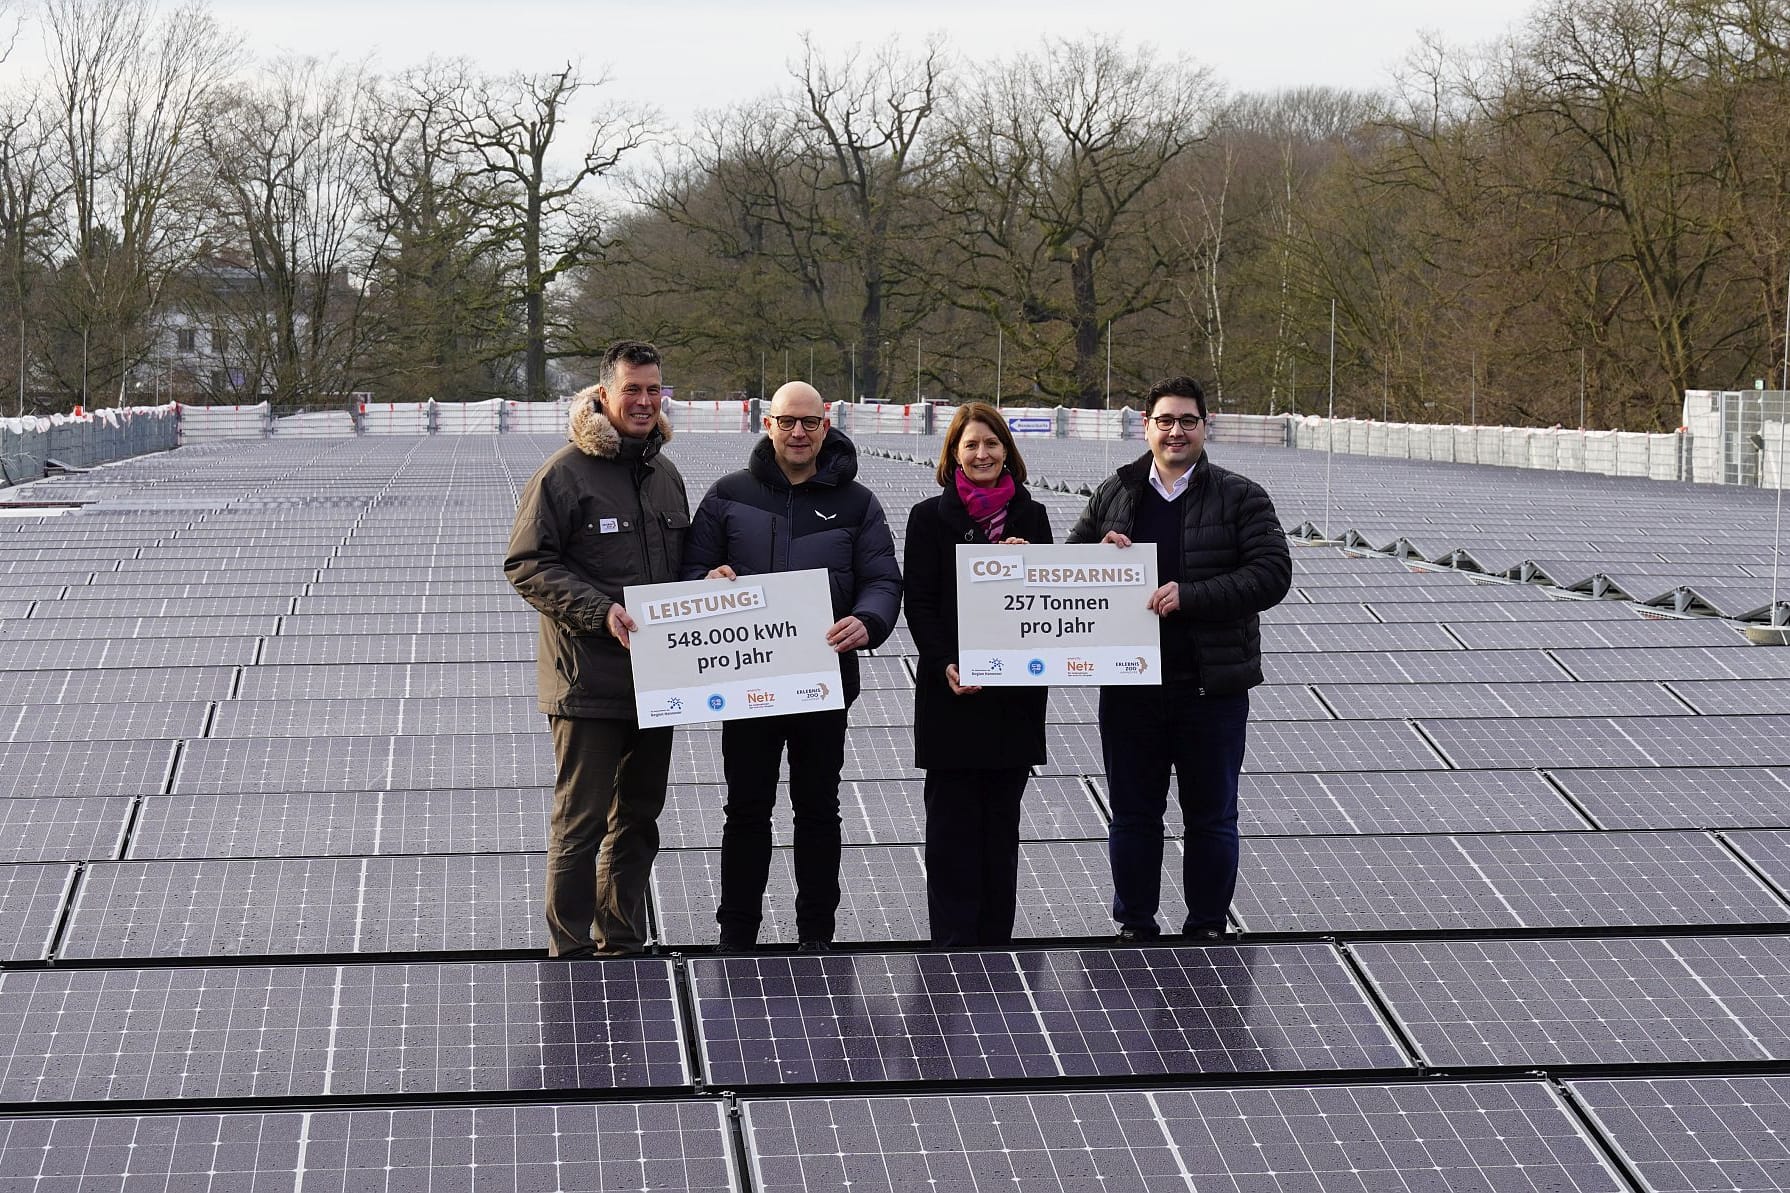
(1088, 373)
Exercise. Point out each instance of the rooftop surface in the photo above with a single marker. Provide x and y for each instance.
(1514, 910)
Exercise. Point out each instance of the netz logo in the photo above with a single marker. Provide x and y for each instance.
(757, 698)
(1036, 666)
(717, 702)
(819, 691)
(1079, 667)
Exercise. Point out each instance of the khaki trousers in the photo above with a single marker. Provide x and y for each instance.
(603, 833)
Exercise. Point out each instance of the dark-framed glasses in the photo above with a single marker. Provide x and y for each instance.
(1168, 422)
(787, 422)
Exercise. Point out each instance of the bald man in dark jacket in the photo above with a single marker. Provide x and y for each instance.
(796, 505)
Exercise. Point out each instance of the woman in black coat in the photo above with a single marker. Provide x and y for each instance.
(977, 745)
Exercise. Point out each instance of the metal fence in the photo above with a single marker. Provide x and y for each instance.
(31, 447)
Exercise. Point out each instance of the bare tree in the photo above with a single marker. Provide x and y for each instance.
(1055, 175)
(129, 90)
(444, 314)
(545, 215)
(31, 196)
(291, 191)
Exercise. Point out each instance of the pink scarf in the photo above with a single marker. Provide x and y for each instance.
(986, 504)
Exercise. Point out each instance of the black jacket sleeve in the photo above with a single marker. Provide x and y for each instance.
(876, 599)
(929, 589)
(1261, 580)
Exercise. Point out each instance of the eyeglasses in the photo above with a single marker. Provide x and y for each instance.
(787, 422)
(1168, 422)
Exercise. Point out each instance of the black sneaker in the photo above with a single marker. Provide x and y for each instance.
(1206, 935)
(815, 946)
(734, 944)
(1136, 936)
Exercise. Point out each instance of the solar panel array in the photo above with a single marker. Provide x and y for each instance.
(1513, 904)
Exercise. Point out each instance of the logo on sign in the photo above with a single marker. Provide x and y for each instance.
(1135, 666)
(1036, 666)
(717, 702)
(1079, 667)
(819, 691)
(757, 698)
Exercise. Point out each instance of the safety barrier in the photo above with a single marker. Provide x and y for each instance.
(30, 446)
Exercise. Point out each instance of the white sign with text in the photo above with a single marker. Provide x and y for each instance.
(726, 650)
(1061, 615)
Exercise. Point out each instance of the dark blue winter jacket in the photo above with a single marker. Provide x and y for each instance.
(755, 521)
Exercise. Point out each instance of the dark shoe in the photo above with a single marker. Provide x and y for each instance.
(1136, 935)
(735, 944)
(1205, 936)
(815, 946)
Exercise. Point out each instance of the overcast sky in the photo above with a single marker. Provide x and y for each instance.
(684, 56)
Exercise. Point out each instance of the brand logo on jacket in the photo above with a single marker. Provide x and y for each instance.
(825, 517)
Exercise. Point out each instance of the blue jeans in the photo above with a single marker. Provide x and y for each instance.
(1143, 733)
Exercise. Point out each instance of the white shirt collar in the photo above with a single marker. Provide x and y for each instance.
(1169, 492)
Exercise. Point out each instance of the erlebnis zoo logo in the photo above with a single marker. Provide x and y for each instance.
(1036, 666)
(717, 702)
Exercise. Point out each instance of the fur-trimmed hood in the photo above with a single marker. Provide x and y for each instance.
(592, 433)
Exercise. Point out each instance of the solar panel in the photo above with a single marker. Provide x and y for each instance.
(1483, 1135)
(264, 907)
(287, 1031)
(1337, 746)
(1693, 1134)
(85, 768)
(51, 654)
(1374, 701)
(1614, 1000)
(1402, 802)
(85, 722)
(1681, 797)
(31, 899)
(964, 1016)
(341, 681)
(377, 716)
(1441, 883)
(400, 648)
(1285, 638)
(1735, 695)
(1613, 741)
(1636, 632)
(1672, 663)
(150, 684)
(292, 764)
(1415, 666)
(62, 828)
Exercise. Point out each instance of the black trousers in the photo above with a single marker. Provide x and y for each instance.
(972, 854)
(603, 833)
(751, 752)
(1145, 733)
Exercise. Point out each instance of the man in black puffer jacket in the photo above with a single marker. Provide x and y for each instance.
(1222, 558)
(796, 505)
